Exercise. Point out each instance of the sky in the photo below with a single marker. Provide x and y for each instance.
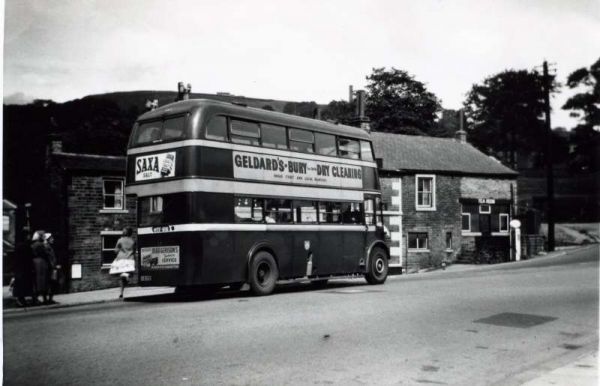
(308, 50)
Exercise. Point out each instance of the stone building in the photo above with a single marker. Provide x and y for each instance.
(91, 210)
(444, 201)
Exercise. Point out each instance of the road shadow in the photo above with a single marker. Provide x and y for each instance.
(206, 294)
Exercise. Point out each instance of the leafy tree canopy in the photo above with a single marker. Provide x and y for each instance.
(398, 103)
(339, 111)
(585, 105)
(506, 114)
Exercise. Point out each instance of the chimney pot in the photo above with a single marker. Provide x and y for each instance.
(461, 136)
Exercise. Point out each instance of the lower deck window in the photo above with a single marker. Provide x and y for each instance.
(248, 210)
(503, 222)
(448, 240)
(278, 211)
(329, 212)
(109, 242)
(418, 240)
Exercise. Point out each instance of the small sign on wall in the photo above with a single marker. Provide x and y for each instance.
(76, 271)
(487, 201)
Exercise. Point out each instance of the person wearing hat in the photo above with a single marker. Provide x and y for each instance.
(52, 266)
(40, 267)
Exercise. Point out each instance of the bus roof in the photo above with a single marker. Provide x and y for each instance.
(211, 107)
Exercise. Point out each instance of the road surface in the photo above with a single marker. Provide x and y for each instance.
(494, 325)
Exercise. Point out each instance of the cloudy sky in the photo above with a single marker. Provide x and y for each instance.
(291, 50)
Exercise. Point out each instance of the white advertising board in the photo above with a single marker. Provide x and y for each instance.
(153, 166)
(164, 257)
(291, 170)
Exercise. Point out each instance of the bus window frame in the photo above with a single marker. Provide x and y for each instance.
(290, 140)
(231, 134)
(184, 131)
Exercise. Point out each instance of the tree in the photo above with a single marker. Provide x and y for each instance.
(339, 111)
(585, 105)
(398, 103)
(505, 114)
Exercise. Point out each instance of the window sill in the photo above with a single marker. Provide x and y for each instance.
(449, 250)
(425, 208)
(113, 211)
(465, 233)
(419, 250)
(503, 233)
(105, 267)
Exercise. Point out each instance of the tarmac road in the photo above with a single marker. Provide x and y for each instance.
(494, 325)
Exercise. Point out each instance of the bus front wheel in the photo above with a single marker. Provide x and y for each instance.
(378, 266)
(263, 273)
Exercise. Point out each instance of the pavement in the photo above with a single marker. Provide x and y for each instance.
(583, 371)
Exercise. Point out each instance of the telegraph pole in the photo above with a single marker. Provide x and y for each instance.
(548, 159)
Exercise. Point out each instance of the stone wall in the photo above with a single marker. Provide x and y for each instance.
(86, 222)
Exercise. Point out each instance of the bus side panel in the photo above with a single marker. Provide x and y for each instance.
(370, 179)
(300, 253)
(221, 264)
(326, 261)
(277, 240)
(212, 162)
(353, 251)
(189, 262)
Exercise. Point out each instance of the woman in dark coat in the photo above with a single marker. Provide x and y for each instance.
(40, 267)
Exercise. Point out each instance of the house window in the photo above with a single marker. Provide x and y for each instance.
(485, 209)
(113, 194)
(448, 240)
(466, 222)
(425, 192)
(109, 242)
(418, 241)
(503, 222)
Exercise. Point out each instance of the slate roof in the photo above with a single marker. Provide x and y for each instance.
(431, 154)
(74, 161)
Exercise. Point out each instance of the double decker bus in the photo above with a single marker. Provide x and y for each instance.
(229, 194)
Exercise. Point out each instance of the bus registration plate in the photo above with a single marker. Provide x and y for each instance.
(163, 257)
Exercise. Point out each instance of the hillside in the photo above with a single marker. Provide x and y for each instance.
(125, 100)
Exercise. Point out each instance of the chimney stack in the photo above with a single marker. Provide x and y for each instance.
(360, 119)
(56, 144)
(461, 134)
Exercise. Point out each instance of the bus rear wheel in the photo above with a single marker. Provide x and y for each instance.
(263, 273)
(378, 266)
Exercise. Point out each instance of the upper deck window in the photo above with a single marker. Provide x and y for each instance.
(157, 131)
(173, 128)
(325, 144)
(349, 148)
(216, 128)
(273, 136)
(365, 151)
(302, 140)
(244, 132)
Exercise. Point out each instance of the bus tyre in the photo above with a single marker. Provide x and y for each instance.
(263, 273)
(378, 266)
